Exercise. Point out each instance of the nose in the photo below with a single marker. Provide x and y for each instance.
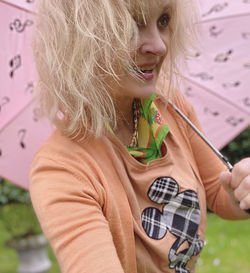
(152, 41)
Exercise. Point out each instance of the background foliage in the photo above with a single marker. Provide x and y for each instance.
(16, 211)
(238, 148)
(10, 193)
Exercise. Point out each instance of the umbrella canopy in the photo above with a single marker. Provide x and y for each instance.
(217, 82)
(21, 133)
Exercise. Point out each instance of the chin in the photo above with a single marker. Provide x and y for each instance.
(141, 90)
(145, 91)
(136, 88)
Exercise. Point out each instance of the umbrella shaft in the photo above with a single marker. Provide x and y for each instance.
(197, 131)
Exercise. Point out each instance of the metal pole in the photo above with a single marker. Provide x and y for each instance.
(197, 131)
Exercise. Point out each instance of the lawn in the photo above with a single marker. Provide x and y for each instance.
(227, 249)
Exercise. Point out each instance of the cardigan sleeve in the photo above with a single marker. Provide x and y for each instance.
(70, 210)
(210, 167)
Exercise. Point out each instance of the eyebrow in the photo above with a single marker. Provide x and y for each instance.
(167, 7)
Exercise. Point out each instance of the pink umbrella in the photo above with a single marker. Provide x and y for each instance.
(217, 90)
(218, 79)
(21, 133)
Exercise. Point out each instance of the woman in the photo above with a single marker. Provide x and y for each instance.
(123, 183)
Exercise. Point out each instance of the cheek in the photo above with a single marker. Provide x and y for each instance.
(133, 45)
(133, 51)
(134, 41)
(166, 41)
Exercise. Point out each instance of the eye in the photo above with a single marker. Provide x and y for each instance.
(164, 20)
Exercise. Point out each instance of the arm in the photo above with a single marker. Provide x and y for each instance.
(69, 209)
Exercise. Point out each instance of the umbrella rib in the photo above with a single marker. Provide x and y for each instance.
(224, 18)
(16, 6)
(217, 95)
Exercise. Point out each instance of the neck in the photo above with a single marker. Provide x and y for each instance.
(125, 123)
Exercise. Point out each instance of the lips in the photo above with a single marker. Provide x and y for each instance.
(146, 75)
(145, 71)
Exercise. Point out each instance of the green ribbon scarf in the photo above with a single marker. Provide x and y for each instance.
(151, 132)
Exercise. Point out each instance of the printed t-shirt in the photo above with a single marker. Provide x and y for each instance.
(100, 208)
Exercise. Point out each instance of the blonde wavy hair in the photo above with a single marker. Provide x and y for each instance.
(75, 44)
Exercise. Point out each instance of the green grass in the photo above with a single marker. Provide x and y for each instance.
(227, 249)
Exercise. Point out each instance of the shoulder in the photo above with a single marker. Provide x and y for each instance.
(180, 102)
(58, 150)
(62, 162)
(183, 105)
(63, 150)
(179, 128)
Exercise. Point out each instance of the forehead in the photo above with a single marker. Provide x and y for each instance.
(147, 7)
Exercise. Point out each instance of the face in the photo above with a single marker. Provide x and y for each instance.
(148, 53)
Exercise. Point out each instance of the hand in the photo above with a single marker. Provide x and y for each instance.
(237, 183)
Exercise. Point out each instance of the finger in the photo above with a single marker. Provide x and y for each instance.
(245, 203)
(240, 171)
(243, 189)
(225, 180)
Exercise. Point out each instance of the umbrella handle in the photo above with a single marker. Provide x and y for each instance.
(197, 131)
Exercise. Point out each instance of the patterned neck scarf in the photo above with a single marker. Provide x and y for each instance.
(151, 132)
